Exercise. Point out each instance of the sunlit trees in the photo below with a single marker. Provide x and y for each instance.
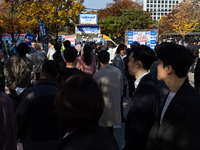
(17, 16)
(10, 22)
(166, 23)
(114, 9)
(132, 19)
(185, 18)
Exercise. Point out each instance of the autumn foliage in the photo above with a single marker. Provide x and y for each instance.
(183, 19)
(19, 16)
(114, 9)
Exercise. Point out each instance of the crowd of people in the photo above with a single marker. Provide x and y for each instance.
(72, 97)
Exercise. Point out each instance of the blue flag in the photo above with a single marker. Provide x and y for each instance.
(43, 31)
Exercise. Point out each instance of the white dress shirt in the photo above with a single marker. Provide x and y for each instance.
(137, 81)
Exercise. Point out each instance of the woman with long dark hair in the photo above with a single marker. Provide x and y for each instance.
(80, 104)
(119, 63)
(87, 62)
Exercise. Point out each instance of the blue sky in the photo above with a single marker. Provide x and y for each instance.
(96, 4)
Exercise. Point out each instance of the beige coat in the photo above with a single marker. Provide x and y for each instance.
(110, 80)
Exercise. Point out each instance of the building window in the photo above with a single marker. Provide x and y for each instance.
(165, 9)
(154, 9)
(170, 2)
(154, 13)
(154, 5)
(173, 2)
(161, 14)
(159, 6)
(162, 5)
(147, 1)
(169, 6)
(154, 1)
(165, 6)
(159, 1)
(147, 5)
(176, 2)
(147, 9)
(158, 9)
(165, 2)
(151, 1)
(162, 10)
(151, 5)
(150, 9)
(165, 13)
(158, 13)
(158, 18)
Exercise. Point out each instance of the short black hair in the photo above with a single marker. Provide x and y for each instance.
(176, 56)
(51, 69)
(145, 54)
(70, 54)
(80, 103)
(22, 49)
(52, 41)
(103, 57)
(120, 47)
(57, 47)
(67, 43)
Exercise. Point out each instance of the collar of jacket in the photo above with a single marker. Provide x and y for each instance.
(105, 66)
(171, 111)
(46, 81)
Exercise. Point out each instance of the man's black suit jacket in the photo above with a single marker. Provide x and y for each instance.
(197, 76)
(144, 109)
(180, 127)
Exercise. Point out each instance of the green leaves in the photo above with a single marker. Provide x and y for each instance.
(132, 19)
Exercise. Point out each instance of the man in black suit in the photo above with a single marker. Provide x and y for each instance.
(145, 105)
(177, 126)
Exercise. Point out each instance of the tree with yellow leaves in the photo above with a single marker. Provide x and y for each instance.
(185, 18)
(56, 14)
(10, 23)
(32, 10)
(64, 13)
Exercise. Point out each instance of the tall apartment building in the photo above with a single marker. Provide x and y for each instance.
(158, 8)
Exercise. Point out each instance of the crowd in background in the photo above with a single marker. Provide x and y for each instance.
(72, 97)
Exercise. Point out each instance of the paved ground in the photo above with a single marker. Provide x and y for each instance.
(119, 130)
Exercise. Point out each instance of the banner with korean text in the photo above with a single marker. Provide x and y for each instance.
(43, 31)
(148, 38)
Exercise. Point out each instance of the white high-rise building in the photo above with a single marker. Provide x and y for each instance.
(158, 8)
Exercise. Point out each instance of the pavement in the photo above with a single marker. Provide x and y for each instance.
(119, 130)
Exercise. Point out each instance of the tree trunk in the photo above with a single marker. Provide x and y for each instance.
(56, 33)
(12, 33)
